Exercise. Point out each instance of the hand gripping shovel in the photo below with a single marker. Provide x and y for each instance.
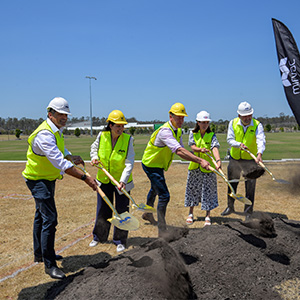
(125, 220)
(232, 194)
(142, 207)
(264, 167)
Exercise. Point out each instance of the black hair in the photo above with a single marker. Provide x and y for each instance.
(107, 128)
(197, 128)
(51, 110)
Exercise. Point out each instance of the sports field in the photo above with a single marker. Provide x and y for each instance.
(20, 278)
(280, 145)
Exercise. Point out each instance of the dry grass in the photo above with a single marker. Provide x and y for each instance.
(76, 205)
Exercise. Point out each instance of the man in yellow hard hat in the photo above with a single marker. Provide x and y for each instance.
(47, 161)
(157, 158)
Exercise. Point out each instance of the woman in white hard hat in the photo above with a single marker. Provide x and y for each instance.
(202, 183)
(114, 149)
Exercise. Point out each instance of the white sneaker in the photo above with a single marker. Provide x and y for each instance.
(93, 243)
(120, 248)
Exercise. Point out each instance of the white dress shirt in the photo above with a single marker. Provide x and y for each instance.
(44, 144)
(260, 136)
(129, 161)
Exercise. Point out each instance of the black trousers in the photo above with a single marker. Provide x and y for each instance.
(234, 170)
(102, 226)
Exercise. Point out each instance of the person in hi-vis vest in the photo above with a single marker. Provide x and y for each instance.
(114, 149)
(201, 186)
(248, 133)
(47, 161)
(157, 158)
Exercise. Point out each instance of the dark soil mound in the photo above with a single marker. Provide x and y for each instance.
(239, 260)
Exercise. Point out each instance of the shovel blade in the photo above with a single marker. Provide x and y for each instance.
(126, 221)
(241, 198)
(145, 208)
(236, 180)
(281, 181)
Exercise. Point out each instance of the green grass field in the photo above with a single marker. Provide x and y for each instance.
(279, 146)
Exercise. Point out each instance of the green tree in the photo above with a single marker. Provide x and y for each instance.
(132, 130)
(212, 127)
(18, 133)
(268, 127)
(77, 132)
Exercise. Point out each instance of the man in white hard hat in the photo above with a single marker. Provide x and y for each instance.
(48, 160)
(157, 158)
(248, 133)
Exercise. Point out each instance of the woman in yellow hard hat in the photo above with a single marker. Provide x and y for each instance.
(114, 149)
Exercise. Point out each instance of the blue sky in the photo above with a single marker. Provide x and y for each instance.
(145, 54)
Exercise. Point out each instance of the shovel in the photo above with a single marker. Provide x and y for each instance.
(125, 220)
(264, 167)
(232, 194)
(142, 207)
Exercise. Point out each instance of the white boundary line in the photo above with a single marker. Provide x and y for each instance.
(59, 251)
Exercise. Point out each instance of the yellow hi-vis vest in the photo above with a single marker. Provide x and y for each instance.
(113, 159)
(159, 157)
(248, 138)
(38, 166)
(204, 142)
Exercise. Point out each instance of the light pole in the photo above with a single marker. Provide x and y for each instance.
(91, 114)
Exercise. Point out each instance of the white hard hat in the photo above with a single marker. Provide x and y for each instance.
(245, 109)
(60, 105)
(203, 116)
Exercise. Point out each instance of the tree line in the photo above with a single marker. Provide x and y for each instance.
(26, 126)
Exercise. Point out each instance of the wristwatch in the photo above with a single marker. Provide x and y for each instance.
(83, 177)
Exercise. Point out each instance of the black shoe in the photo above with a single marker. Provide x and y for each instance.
(227, 211)
(149, 217)
(39, 259)
(55, 272)
(58, 257)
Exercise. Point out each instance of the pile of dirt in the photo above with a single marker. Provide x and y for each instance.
(237, 260)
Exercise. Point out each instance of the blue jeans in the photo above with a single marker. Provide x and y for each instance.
(158, 187)
(45, 220)
(102, 226)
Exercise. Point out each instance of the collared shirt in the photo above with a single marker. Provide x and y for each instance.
(214, 141)
(165, 137)
(260, 136)
(45, 144)
(129, 161)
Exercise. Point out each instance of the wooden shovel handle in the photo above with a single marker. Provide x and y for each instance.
(215, 163)
(109, 175)
(254, 157)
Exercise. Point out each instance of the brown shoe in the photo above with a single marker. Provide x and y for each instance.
(149, 217)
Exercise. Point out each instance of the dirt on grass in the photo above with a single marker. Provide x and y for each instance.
(231, 259)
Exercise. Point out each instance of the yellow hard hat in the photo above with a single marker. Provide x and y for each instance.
(178, 109)
(117, 117)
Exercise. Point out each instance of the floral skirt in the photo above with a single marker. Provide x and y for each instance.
(201, 187)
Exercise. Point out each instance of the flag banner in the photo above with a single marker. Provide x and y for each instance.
(289, 65)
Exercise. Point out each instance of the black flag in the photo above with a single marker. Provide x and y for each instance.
(289, 65)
